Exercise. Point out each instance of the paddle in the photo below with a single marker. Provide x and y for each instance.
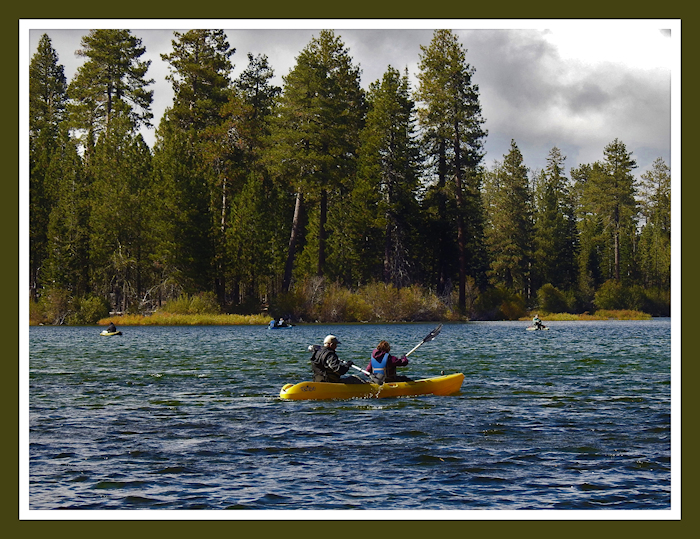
(429, 337)
(371, 376)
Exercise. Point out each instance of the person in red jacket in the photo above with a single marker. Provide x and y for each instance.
(383, 365)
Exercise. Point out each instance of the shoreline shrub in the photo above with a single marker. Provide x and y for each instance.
(551, 300)
(203, 303)
(87, 311)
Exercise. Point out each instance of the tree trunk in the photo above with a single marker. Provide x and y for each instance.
(322, 232)
(293, 236)
(388, 275)
(442, 210)
(617, 254)
(460, 223)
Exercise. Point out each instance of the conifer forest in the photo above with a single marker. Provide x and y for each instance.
(314, 199)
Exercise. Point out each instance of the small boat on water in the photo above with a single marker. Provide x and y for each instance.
(277, 325)
(441, 385)
(106, 333)
(533, 328)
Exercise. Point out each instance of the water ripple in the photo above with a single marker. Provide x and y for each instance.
(189, 418)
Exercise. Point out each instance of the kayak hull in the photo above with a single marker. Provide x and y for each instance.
(110, 333)
(533, 328)
(441, 385)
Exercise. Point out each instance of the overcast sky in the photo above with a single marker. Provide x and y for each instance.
(576, 85)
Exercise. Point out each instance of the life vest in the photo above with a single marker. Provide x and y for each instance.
(379, 366)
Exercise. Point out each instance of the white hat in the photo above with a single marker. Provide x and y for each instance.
(330, 339)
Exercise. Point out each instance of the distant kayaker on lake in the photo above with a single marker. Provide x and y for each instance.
(111, 328)
(383, 365)
(326, 365)
(537, 322)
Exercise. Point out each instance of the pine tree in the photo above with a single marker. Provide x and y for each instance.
(253, 246)
(68, 260)
(655, 238)
(121, 217)
(610, 194)
(509, 230)
(555, 239)
(200, 68)
(590, 232)
(315, 143)
(197, 193)
(451, 118)
(111, 81)
(47, 103)
(382, 221)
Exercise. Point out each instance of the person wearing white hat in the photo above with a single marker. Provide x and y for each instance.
(326, 365)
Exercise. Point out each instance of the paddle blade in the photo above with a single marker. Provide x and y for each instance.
(433, 334)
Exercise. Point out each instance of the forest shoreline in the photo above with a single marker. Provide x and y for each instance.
(166, 319)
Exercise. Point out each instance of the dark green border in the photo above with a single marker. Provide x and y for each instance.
(452, 9)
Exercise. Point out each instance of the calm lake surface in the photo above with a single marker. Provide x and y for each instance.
(178, 418)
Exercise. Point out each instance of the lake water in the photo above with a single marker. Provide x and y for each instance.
(183, 418)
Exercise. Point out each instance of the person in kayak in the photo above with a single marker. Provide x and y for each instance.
(383, 365)
(326, 365)
(111, 328)
(537, 322)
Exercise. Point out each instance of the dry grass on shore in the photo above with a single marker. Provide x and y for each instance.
(172, 319)
(598, 315)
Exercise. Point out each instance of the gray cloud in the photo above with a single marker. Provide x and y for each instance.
(528, 91)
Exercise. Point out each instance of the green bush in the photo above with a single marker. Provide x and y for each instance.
(611, 296)
(409, 304)
(37, 312)
(56, 305)
(499, 304)
(341, 305)
(551, 300)
(203, 303)
(87, 310)
(513, 307)
(658, 302)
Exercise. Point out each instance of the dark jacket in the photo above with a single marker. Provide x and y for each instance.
(390, 365)
(326, 365)
(111, 328)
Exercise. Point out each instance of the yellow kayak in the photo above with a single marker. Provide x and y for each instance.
(440, 385)
(106, 333)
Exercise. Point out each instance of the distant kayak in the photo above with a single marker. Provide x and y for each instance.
(276, 325)
(440, 385)
(106, 333)
(533, 328)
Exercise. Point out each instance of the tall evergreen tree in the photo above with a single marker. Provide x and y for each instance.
(590, 232)
(509, 231)
(384, 199)
(253, 248)
(610, 194)
(47, 103)
(554, 239)
(121, 215)
(450, 114)
(655, 238)
(315, 143)
(112, 81)
(200, 69)
(68, 261)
